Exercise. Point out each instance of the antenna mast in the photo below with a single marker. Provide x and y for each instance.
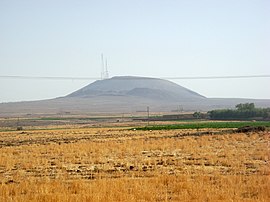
(102, 67)
(106, 76)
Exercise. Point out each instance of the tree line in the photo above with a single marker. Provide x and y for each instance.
(242, 111)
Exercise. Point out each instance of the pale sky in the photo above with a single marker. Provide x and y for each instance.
(152, 38)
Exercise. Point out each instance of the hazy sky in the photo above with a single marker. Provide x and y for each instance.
(155, 38)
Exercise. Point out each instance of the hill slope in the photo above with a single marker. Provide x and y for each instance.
(143, 87)
(125, 95)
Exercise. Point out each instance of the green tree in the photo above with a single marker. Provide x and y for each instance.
(245, 107)
(197, 115)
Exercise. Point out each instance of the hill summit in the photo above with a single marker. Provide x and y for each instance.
(125, 94)
(150, 88)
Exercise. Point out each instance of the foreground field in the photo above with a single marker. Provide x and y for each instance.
(123, 165)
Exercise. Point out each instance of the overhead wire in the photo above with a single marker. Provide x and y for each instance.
(169, 78)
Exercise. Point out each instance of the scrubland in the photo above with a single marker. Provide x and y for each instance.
(114, 164)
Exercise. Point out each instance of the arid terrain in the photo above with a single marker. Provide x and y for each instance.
(125, 94)
(119, 164)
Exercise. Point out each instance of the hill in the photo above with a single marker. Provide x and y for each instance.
(125, 95)
(143, 87)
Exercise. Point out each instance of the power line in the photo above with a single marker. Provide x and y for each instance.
(217, 77)
(170, 78)
(50, 77)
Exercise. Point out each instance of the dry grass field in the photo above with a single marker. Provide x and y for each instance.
(113, 164)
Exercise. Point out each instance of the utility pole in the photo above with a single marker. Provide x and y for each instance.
(148, 115)
(18, 120)
(18, 124)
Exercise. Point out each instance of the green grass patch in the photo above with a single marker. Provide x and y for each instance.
(200, 125)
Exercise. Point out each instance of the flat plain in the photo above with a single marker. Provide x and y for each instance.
(119, 164)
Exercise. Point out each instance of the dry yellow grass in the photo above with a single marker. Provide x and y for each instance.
(122, 165)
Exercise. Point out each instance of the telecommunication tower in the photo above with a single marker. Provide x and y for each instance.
(104, 68)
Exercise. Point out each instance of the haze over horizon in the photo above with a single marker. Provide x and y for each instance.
(139, 38)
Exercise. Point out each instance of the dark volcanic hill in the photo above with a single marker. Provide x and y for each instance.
(151, 88)
(125, 95)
